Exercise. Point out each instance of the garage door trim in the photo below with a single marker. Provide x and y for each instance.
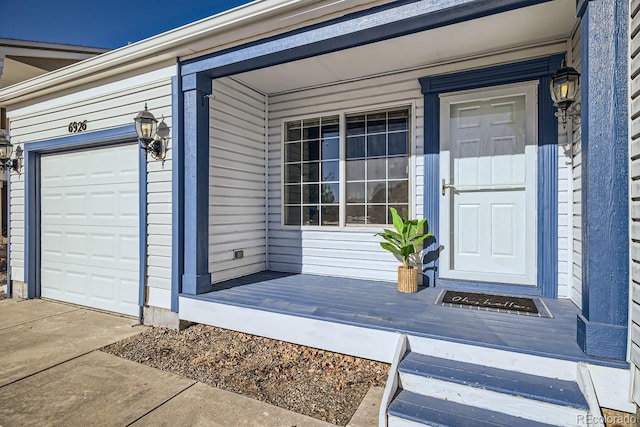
(32, 152)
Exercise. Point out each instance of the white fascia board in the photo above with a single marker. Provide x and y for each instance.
(170, 44)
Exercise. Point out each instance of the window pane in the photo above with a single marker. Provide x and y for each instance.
(293, 173)
(376, 214)
(311, 129)
(398, 191)
(398, 123)
(311, 193)
(311, 150)
(403, 113)
(292, 194)
(355, 170)
(330, 130)
(311, 172)
(330, 148)
(293, 131)
(355, 125)
(403, 210)
(398, 167)
(355, 214)
(377, 169)
(330, 193)
(310, 215)
(398, 144)
(292, 215)
(330, 215)
(292, 152)
(355, 147)
(376, 192)
(376, 145)
(331, 171)
(377, 123)
(355, 192)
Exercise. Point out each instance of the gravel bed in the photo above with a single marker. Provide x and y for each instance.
(321, 384)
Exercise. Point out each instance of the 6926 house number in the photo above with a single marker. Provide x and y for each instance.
(77, 127)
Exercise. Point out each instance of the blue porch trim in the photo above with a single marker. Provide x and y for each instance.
(540, 69)
(177, 191)
(356, 29)
(195, 102)
(602, 326)
(32, 152)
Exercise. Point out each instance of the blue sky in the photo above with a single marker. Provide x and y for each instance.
(105, 23)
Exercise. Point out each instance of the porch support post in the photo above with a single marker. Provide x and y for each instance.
(602, 327)
(196, 278)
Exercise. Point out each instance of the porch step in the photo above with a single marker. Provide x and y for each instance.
(541, 389)
(489, 391)
(411, 409)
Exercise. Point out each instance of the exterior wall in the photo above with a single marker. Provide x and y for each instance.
(106, 106)
(237, 188)
(634, 202)
(576, 152)
(354, 251)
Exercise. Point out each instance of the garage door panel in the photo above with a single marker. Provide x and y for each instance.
(90, 228)
(115, 247)
(116, 204)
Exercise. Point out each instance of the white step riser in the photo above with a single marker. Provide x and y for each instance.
(401, 422)
(499, 402)
(511, 361)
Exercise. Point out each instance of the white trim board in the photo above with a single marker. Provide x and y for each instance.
(347, 339)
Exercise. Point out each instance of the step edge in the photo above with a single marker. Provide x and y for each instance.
(402, 415)
(502, 390)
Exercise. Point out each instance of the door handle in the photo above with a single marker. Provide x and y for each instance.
(445, 186)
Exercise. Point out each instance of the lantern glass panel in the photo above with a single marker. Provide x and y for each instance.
(5, 150)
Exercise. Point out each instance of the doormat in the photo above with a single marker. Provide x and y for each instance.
(527, 306)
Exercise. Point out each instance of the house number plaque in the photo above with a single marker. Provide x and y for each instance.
(77, 127)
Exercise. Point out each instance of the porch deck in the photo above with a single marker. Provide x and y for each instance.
(377, 305)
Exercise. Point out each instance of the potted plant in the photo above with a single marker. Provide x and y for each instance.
(404, 243)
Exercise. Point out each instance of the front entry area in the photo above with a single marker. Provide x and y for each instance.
(488, 176)
(90, 228)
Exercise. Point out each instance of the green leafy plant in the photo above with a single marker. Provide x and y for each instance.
(408, 235)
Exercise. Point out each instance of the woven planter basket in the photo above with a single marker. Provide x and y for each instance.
(407, 279)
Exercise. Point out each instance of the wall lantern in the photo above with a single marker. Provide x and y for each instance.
(564, 87)
(6, 149)
(152, 137)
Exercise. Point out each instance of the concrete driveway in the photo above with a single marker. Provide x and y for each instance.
(52, 373)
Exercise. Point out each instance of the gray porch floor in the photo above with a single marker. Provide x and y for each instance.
(379, 305)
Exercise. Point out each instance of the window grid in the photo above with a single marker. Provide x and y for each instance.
(312, 178)
(376, 153)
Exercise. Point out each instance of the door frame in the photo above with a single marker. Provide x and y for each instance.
(32, 153)
(540, 69)
(530, 91)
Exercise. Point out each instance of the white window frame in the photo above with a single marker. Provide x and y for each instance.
(412, 156)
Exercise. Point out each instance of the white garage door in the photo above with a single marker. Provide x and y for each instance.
(89, 225)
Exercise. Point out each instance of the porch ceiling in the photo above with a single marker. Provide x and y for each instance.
(550, 21)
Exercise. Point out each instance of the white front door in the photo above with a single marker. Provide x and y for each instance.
(488, 151)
